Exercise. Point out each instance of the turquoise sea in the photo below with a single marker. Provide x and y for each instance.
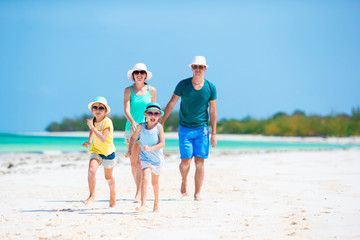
(17, 143)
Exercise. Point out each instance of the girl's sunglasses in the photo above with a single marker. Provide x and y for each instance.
(139, 72)
(197, 67)
(95, 108)
(155, 114)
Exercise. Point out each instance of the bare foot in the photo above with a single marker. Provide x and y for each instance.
(156, 208)
(197, 197)
(112, 201)
(183, 189)
(140, 209)
(89, 200)
(137, 198)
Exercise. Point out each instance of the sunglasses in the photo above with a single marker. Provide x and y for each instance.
(95, 108)
(139, 72)
(197, 67)
(155, 114)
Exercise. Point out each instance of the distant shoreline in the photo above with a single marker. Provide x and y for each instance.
(224, 137)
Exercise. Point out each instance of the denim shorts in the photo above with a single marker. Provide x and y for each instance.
(128, 135)
(107, 161)
(193, 142)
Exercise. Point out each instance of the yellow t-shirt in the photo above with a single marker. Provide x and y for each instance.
(107, 147)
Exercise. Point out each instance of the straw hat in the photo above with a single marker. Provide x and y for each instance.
(141, 67)
(101, 100)
(199, 60)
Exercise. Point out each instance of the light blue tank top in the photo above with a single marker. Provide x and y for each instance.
(150, 137)
(137, 107)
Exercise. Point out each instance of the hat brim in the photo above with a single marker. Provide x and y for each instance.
(107, 107)
(198, 64)
(152, 108)
(130, 72)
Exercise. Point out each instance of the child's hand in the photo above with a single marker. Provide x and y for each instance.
(90, 123)
(128, 154)
(85, 144)
(146, 148)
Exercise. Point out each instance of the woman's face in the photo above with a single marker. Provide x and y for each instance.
(139, 75)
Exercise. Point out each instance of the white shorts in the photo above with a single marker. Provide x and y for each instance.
(156, 169)
(128, 135)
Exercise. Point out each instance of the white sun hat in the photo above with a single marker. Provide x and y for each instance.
(141, 67)
(101, 100)
(199, 60)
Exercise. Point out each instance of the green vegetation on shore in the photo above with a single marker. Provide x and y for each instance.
(281, 124)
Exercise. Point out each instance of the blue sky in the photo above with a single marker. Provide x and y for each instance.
(263, 56)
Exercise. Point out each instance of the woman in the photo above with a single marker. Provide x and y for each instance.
(136, 97)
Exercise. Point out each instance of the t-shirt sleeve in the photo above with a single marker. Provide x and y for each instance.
(108, 124)
(178, 89)
(213, 95)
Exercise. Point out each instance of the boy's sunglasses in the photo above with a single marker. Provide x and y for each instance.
(197, 67)
(155, 114)
(139, 72)
(95, 108)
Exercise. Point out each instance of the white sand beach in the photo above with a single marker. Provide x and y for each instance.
(274, 195)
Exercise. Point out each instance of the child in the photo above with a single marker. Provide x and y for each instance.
(152, 141)
(102, 148)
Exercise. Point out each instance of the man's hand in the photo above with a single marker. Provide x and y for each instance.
(213, 140)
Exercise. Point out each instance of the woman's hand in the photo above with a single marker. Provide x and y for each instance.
(133, 126)
(85, 144)
(90, 123)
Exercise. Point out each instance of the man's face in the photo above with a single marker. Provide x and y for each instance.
(198, 70)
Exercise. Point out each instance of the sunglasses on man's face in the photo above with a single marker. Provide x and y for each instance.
(139, 72)
(155, 114)
(101, 109)
(197, 67)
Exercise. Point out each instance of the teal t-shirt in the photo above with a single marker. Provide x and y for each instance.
(194, 103)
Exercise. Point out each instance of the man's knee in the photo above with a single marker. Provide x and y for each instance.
(186, 162)
(199, 162)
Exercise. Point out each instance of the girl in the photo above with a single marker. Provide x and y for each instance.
(135, 99)
(102, 148)
(152, 142)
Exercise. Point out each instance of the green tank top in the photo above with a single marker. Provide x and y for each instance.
(137, 107)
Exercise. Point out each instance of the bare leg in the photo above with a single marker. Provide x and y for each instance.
(136, 169)
(93, 167)
(111, 181)
(145, 180)
(184, 170)
(199, 177)
(155, 184)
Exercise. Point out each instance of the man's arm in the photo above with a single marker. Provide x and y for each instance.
(213, 120)
(169, 108)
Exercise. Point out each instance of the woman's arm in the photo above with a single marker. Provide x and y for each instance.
(132, 140)
(127, 113)
(153, 94)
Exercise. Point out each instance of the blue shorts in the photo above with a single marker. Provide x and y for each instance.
(193, 142)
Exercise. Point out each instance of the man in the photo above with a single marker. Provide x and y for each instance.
(197, 94)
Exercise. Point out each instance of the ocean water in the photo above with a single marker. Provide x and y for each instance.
(17, 143)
